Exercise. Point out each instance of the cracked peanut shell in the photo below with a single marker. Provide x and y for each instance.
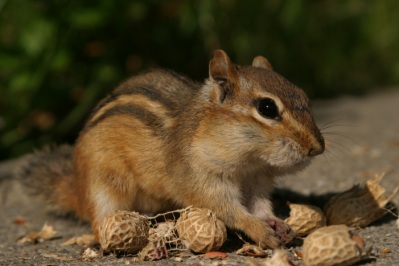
(358, 206)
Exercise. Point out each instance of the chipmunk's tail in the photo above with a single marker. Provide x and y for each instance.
(48, 173)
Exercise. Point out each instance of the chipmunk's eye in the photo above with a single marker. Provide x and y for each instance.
(267, 108)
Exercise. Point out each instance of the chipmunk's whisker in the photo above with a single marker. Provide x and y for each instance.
(337, 145)
(337, 126)
(340, 134)
(332, 122)
(332, 156)
(337, 149)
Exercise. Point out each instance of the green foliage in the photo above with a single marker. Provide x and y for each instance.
(57, 58)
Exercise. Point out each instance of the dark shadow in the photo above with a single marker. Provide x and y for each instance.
(281, 197)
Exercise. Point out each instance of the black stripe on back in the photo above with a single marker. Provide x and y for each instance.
(127, 90)
(148, 118)
(144, 90)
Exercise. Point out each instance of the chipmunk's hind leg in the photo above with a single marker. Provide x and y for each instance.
(104, 199)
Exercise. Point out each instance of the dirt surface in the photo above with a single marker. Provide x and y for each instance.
(363, 140)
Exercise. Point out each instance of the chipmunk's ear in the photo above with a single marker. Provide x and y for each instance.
(223, 72)
(262, 62)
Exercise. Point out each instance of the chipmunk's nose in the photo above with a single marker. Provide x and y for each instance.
(314, 152)
(317, 148)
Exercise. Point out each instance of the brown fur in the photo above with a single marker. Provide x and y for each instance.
(161, 141)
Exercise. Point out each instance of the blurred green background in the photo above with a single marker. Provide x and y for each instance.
(58, 57)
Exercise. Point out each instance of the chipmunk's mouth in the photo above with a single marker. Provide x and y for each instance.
(288, 164)
(289, 169)
(302, 164)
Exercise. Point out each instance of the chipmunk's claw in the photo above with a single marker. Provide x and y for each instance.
(283, 231)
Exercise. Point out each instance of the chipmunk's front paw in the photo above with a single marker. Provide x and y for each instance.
(283, 231)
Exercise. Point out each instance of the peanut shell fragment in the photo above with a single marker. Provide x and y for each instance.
(304, 219)
(358, 206)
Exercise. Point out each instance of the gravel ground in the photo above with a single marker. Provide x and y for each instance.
(363, 141)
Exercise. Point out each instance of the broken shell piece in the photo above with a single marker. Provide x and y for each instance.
(200, 230)
(333, 245)
(252, 250)
(46, 233)
(358, 206)
(164, 230)
(84, 240)
(279, 258)
(89, 254)
(124, 231)
(305, 218)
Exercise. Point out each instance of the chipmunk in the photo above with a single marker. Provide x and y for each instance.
(160, 141)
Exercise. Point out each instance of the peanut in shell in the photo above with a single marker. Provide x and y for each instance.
(200, 230)
(333, 245)
(123, 231)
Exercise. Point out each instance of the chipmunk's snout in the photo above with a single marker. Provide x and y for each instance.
(314, 152)
(317, 148)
